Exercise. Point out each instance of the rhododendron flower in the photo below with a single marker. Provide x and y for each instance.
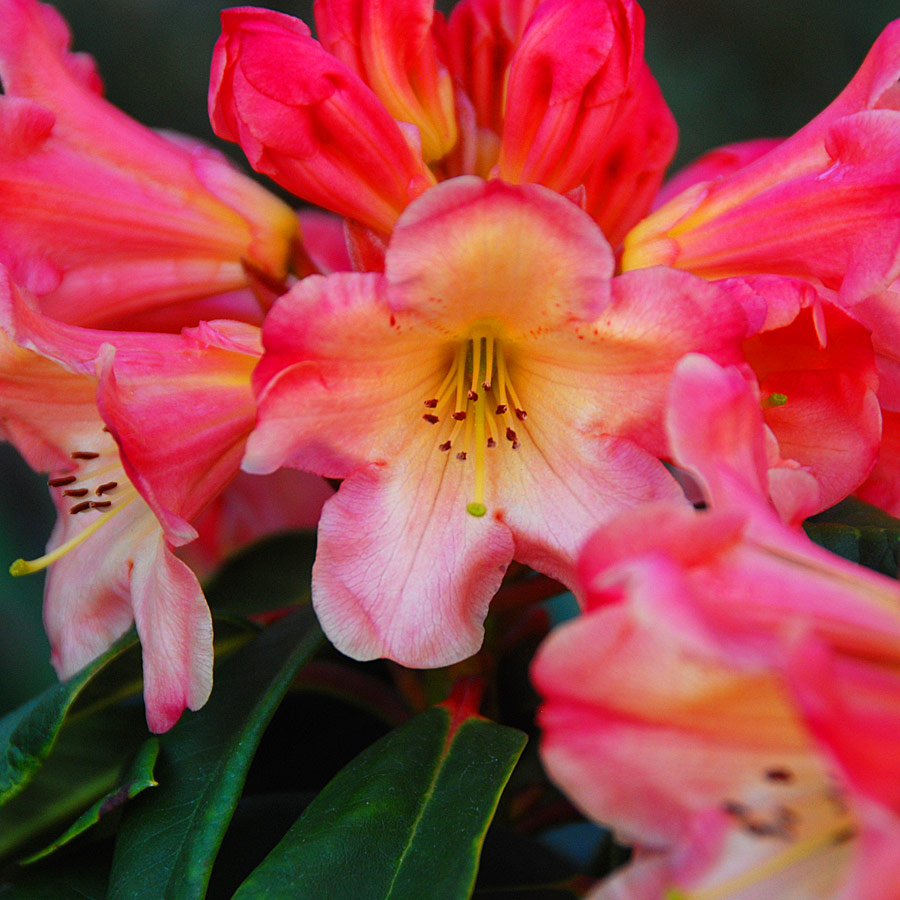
(139, 433)
(823, 205)
(492, 395)
(104, 220)
(702, 652)
(394, 98)
(817, 375)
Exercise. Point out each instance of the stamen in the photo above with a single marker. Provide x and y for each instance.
(444, 447)
(431, 404)
(488, 362)
(80, 507)
(62, 480)
(461, 455)
(26, 567)
(85, 454)
(501, 409)
(106, 487)
(431, 418)
(101, 504)
(75, 492)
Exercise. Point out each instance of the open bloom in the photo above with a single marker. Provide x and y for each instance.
(104, 220)
(392, 98)
(139, 432)
(489, 396)
(701, 705)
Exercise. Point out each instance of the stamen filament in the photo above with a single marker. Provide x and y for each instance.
(476, 507)
(27, 567)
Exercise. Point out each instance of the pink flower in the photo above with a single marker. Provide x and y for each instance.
(823, 205)
(139, 433)
(104, 220)
(395, 98)
(492, 395)
(704, 704)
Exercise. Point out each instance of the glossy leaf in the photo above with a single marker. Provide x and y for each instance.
(139, 777)
(859, 532)
(271, 574)
(170, 836)
(405, 820)
(28, 734)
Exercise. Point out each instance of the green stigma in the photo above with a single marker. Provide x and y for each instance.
(774, 400)
(476, 509)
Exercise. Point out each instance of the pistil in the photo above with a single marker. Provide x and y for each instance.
(479, 383)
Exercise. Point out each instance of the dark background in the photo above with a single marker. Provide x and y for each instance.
(730, 70)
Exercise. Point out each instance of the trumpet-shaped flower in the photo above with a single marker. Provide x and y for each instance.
(104, 220)
(489, 396)
(139, 432)
(823, 205)
(394, 98)
(701, 705)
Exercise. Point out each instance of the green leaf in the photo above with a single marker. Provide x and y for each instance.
(170, 836)
(405, 820)
(28, 734)
(858, 532)
(271, 574)
(71, 744)
(138, 777)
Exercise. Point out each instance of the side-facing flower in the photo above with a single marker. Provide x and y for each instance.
(103, 219)
(682, 707)
(490, 396)
(822, 205)
(139, 432)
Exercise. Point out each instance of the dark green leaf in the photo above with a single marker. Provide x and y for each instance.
(271, 574)
(170, 836)
(28, 733)
(859, 532)
(405, 820)
(138, 777)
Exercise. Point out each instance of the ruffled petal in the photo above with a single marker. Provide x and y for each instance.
(402, 570)
(518, 254)
(175, 628)
(342, 381)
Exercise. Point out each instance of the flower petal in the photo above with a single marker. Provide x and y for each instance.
(402, 570)
(520, 254)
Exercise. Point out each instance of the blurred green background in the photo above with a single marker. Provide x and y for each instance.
(730, 70)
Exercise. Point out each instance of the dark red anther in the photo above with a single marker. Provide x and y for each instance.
(431, 404)
(62, 481)
(80, 507)
(432, 418)
(486, 385)
(510, 435)
(461, 455)
(501, 408)
(459, 415)
(106, 487)
(516, 445)
(444, 447)
(75, 492)
(491, 442)
(84, 454)
(521, 415)
(101, 504)
(473, 395)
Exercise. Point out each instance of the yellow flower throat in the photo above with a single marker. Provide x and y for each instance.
(485, 406)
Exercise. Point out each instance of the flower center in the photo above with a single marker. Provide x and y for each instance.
(485, 407)
(96, 487)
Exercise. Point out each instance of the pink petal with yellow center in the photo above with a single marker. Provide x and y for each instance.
(519, 255)
(307, 120)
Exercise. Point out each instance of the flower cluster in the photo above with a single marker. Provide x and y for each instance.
(501, 334)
